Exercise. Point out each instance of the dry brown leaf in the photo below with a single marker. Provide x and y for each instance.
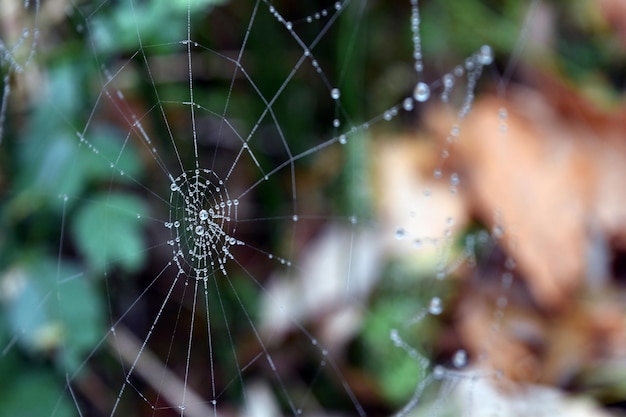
(528, 346)
(548, 172)
(408, 198)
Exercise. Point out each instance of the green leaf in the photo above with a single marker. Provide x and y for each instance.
(34, 393)
(48, 160)
(108, 232)
(111, 150)
(157, 22)
(51, 306)
(81, 319)
(397, 372)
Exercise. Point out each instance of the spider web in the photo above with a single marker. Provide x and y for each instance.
(197, 213)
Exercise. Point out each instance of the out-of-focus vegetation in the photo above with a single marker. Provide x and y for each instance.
(55, 249)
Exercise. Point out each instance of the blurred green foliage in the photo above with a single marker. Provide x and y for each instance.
(62, 196)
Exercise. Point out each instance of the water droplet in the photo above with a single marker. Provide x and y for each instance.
(448, 81)
(459, 359)
(400, 233)
(295, 217)
(174, 187)
(288, 25)
(203, 214)
(418, 243)
(436, 306)
(407, 104)
(485, 55)
(337, 5)
(439, 372)
(309, 19)
(437, 173)
(422, 92)
(176, 224)
(395, 337)
(510, 264)
(469, 64)
(353, 219)
(199, 230)
(454, 179)
(336, 123)
(335, 94)
(343, 139)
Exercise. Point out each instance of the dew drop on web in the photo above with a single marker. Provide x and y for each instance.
(421, 92)
(459, 359)
(407, 104)
(436, 306)
(485, 55)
